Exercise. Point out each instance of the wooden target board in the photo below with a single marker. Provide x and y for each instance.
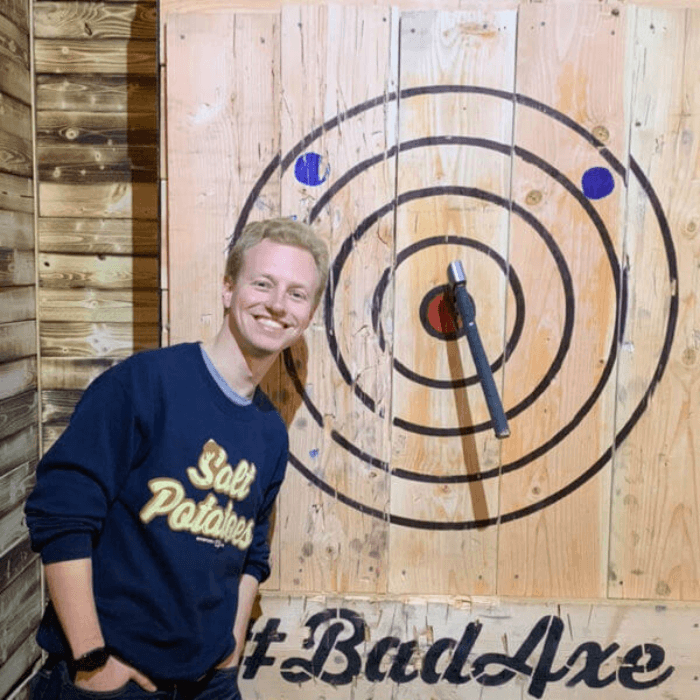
(409, 140)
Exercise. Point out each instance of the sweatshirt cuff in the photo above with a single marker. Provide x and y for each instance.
(258, 571)
(74, 545)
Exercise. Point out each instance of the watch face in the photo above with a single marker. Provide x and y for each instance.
(92, 660)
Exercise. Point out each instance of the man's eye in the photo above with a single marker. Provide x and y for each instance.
(299, 295)
(262, 284)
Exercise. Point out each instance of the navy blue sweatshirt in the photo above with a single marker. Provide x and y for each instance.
(168, 485)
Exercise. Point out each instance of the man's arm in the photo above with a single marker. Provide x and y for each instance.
(70, 588)
(247, 592)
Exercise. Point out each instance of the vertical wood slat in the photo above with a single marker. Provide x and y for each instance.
(477, 50)
(570, 58)
(655, 528)
(328, 545)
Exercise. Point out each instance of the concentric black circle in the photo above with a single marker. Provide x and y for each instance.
(619, 280)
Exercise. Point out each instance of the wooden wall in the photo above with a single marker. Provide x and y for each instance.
(20, 579)
(97, 153)
(589, 503)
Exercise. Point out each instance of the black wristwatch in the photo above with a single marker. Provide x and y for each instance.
(91, 661)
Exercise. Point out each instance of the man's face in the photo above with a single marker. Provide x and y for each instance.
(272, 301)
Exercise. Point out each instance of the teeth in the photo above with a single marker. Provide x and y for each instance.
(270, 323)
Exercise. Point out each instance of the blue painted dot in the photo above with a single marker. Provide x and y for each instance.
(314, 453)
(597, 183)
(307, 169)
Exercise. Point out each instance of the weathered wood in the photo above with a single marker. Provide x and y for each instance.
(51, 433)
(17, 303)
(90, 20)
(62, 271)
(21, 447)
(17, 11)
(17, 413)
(95, 305)
(20, 610)
(17, 376)
(106, 236)
(78, 165)
(15, 154)
(92, 93)
(15, 561)
(120, 201)
(17, 229)
(16, 117)
(21, 663)
(469, 648)
(72, 373)
(17, 340)
(96, 339)
(97, 128)
(16, 193)
(16, 267)
(14, 61)
(113, 56)
(57, 406)
(15, 486)
(655, 528)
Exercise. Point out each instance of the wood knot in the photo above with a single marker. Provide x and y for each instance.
(533, 197)
(601, 133)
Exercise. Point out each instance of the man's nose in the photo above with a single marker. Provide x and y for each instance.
(275, 301)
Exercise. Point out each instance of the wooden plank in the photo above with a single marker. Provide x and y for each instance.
(89, 20)
(468, 648)
(105, 236)
(22, 662)
(17, 303)
(17, 229)
(17, 340)
(17, 376)
(16, 267)
(51, 433)
(655, 528)
(93, 93)
(123, 306)
(16, 117)
(113, 56)
(15, 487)
(72, 373)
(57, 406)
(17, 11)
(17, 413)
(555, 494)
(62, 271)
(15, 79)
(440, 488)
(15, 561)
(96, 339)
(327, 544)
(120, 200)
(15, 153)
(20, 610)
(62, 128)
(16, 193)
(21, 447)
(79, 165)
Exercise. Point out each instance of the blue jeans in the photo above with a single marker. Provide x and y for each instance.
(54, 683)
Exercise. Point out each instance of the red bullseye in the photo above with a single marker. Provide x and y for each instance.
(439, 315)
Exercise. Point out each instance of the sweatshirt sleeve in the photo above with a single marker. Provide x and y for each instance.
(79, 477)
(257, 562)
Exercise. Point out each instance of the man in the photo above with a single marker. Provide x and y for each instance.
(151, 511)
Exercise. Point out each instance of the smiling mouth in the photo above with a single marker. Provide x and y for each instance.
(270, 323)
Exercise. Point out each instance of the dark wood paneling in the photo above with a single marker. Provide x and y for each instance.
(17, 413)
(57, 405)
(92, 20)
(113, 56)
(73, 373)
(92, 93)
(18, 667)
(20, 610)
(21, 447)
(122, 200)
(15, 153)
(98, 305)
(97, 164)
(16, 267)
(14, 61)
(17, 229)
(17, 376)
(15, 486)
(97, 128)
(17, 304)
(15, 561)
(96, 339)
(17, 340)
(17, 11)
(115, 236)
(16, 193)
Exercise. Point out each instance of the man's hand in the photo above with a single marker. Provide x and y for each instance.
(113, 675)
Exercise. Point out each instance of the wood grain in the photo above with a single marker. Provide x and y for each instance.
(655, 528)
(15, 561)
(15, 487)
(17, 340)
(17, 376)
(99, 235)
(101, 340)
(62, 128)
(17, 11)
(122, 200)
(17, 229)
(20, 610)
(72, 373)
(17, 303)
(99, 304)
(17, 413)
(57, 406)
(96, 93)
(26, 657)
(89, 20)
(16, 193)
(14, 64)
(112, 56)
(16, 267)
(63, 271)
(21, 447)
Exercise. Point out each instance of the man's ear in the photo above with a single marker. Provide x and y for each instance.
(226, 293)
